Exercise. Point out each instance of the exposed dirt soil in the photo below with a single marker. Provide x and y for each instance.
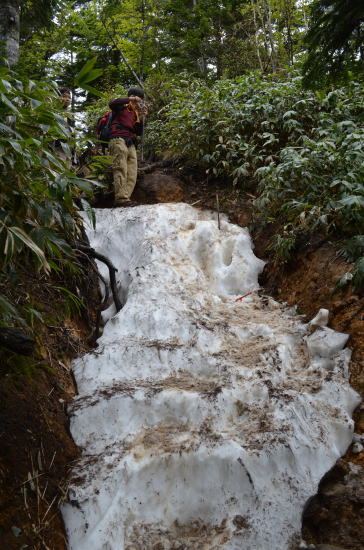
(36, 453)
(36, 449)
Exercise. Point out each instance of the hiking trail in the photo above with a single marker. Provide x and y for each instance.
(204, 422)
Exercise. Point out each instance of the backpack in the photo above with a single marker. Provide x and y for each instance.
(103, 127)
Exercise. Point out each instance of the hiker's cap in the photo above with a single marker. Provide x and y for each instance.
(136, 91)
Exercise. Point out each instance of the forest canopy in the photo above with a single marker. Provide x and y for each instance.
(208, 39)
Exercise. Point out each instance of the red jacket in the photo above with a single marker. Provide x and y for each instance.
(124, 122)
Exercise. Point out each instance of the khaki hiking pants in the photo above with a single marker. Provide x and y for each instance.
(124, 165)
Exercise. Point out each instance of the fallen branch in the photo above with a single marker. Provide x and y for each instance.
(196, 202)
(112, 270)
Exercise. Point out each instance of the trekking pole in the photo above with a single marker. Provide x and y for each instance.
(142, 147)
(122, 55)
(142, 138)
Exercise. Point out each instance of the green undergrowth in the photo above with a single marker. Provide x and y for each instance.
(300, 153)
(39, 200)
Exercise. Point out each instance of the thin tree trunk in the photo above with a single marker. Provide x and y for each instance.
(10, 30)
(288, 19)
(270, 36)
(73, 104)
(256, 36)
(305, 18)
(264, 29)
(201, 63)
(219, 46)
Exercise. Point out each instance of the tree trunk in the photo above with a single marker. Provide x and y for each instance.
(288, 18)
(9, 30)
(256, 28)
(270, 36)
(264, 29)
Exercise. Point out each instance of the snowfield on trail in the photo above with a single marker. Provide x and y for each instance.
(205, 423)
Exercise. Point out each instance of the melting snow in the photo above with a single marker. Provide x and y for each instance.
(205, 423)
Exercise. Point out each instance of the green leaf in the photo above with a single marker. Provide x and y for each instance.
(10, 130)
(90, 212)
(19, 85)
(8, 103)
(86, 68)
(6, 307)
(18, 232)
(34, 103)
(87, 74)
(32, 141)
(89, 77)
(35, 313)
(358, 276)
(353, 200)
(75, 302)
(91, 89)
(66, 149)
(289, 114)
(84, 185)
(16, 145)
(6, 84)
(41, 235)
(345, 279)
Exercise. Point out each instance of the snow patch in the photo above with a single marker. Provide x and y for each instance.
(204, 422)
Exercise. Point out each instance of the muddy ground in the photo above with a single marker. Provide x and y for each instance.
(37, 452)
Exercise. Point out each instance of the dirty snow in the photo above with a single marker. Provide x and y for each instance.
(205, 423)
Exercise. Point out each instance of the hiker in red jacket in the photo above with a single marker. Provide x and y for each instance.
(127, 123)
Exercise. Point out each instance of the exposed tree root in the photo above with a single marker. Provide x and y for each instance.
(112, 270)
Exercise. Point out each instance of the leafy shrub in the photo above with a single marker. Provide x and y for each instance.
(303, 152)
(38, 216)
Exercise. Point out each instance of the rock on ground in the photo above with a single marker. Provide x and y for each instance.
(158, 187)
